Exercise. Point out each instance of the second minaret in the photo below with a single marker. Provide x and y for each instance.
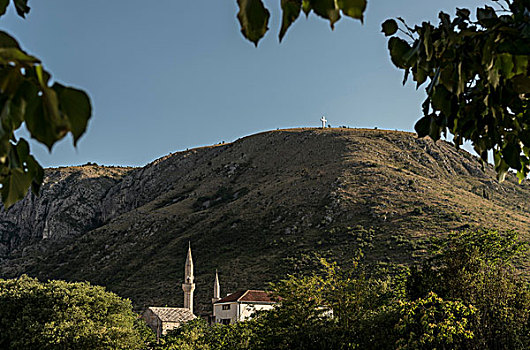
(188, 286)
(216, 289)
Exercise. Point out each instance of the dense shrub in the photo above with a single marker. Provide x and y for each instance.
(61, 315)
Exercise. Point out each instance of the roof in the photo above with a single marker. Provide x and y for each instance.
(172, 314)
(248, 296)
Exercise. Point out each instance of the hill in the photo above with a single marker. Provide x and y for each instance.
(255, 209)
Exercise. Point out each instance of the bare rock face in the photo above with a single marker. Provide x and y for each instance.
(143, 185)
(69, 205)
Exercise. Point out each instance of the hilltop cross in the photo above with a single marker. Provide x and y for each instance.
(324, 121)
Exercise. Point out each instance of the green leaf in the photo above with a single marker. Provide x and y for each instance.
(389, 27)
(253, 18)
(427, 41)
(7, 41)
(36, 173)
(22, 149)
(521, 84)
(22, 7)
(521, 175)
(399, 50)
(40, 76)
(520, 64)
(504, 63)
(43, 119)
(420, 77)
(441, 100)
(306, 7)
(486, 16)
(462, 79)
(8, 55)
(500, 166)
(10, 80)
(3, 6)
(447, 78)
(326, 9)
(511, 153)
(15, 108)
(493, 77)
(14, 187)
(463, 13)
(290, 12)
(75, 104)
(423, 126)
(353, 8)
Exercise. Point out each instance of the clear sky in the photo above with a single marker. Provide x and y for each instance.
(167, 75)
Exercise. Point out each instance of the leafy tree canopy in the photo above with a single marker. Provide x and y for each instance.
(478, 268)
(61, 315)
(49, 110)
(254, 17)
(477, 76)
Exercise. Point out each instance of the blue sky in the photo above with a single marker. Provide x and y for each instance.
(167, 75)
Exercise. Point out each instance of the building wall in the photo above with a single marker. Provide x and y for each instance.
(159, 327)
(167, 326)
(151, 319)
(221, 314)
(237, 311)
(246, 310)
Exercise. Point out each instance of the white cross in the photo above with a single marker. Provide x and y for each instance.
(324, 121)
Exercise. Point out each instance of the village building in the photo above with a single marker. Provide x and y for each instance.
(235, 307)
(238, 306)
(163, 319)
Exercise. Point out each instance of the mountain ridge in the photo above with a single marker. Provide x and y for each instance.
(256, 209)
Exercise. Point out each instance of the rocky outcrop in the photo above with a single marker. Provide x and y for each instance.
(70, 204)
(144, 185)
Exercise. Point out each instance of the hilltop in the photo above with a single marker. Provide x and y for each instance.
(255, 209)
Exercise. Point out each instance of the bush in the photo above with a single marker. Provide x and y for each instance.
(477, 268)
(61, 315)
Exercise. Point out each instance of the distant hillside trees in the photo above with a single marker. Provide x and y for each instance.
(61, 315)
(466, 296)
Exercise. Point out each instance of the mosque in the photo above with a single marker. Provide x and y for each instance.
(234, 307)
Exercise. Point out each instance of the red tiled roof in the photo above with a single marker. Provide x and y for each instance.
(248, 296)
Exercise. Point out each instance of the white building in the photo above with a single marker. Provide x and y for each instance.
(240, 306)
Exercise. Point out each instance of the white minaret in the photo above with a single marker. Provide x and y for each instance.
(188, 286)
(216, 289)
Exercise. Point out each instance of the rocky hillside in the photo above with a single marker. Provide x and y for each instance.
(255, 209)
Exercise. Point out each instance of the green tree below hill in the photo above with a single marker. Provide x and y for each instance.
(61, 315)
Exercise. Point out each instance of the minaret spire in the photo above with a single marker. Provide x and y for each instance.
(216, 288)
(188, 286)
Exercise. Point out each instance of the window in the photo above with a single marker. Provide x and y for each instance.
(225, 321)
(226, 307)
